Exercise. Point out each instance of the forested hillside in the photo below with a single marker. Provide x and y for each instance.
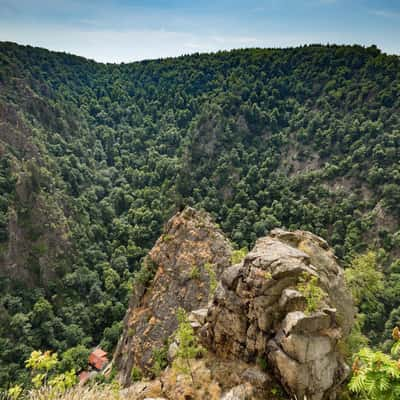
(96, 157)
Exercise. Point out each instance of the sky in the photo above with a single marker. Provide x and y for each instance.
(131, 30)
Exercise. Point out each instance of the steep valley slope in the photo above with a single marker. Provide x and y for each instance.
(95, 158)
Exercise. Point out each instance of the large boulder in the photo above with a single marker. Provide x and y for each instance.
(254, 317)
(260, 312)
(191, 252)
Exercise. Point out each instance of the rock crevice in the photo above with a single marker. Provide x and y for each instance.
(258, 313)
(190, 241)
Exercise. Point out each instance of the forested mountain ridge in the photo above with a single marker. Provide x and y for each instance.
(95, 157)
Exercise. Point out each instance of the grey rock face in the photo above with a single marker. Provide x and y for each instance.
(190, 241)
(258, 312)
(240, 392)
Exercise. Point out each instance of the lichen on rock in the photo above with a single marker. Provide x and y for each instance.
(189, 242)
(258, 312)
(281, 311)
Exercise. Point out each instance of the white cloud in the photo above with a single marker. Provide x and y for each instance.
(113, 45)
(125, 46)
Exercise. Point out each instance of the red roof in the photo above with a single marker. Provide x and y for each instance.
(83, 377)
(98, 359)
(99, 353)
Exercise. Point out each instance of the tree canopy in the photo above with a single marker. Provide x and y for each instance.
(95, 157)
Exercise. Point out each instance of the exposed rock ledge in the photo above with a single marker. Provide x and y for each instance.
(257, 313)
(191, 240)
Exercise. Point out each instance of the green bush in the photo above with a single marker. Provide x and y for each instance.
(238, 255)
(376, 376)
(136, 374)
(314, 295)
(188, 346)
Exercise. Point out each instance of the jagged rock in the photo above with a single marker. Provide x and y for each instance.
(199, 315)
(212, 376)
(256, 377)
(240, 392)
(292, 300)
(155, 398)
(172, 351)
(180, 386)
(257, 315)
(142, 390)
(257, 312)
(297, 321)
(304, 348)
(190, 241)
(231, 274)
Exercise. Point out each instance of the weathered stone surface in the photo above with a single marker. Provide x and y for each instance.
(323, 260)
(142, 390)
(297, 321)
(172, 351)
(256, 316)
(231, 274)
(155, 398)
(199, 315)
(190, 241)
(256, 377)
(292, 300)
(271, 322)
(231, 300)
(291, 373)
(305, 348)
(230, 324)
(213, 379)
(240, 392)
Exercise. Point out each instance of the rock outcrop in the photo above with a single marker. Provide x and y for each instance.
(276, 319)
(214, 379)
(259, 312)
(191, 252)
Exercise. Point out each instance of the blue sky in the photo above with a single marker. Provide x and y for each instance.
(128, 30)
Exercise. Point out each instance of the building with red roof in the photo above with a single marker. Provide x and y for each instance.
(98, 359)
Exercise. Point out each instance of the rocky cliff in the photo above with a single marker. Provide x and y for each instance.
(275, 319)
(37, 228)
(38, 232)
(189, 256)
(286, 302)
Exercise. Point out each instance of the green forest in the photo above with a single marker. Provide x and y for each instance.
(94, 158)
